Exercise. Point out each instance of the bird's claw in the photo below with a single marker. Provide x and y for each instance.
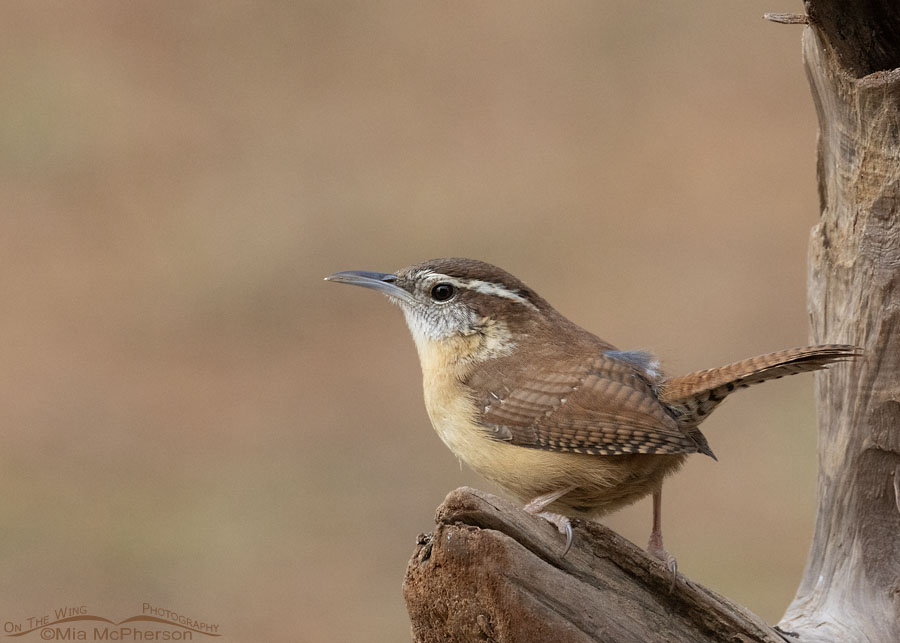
(655, 549)
(563, 524)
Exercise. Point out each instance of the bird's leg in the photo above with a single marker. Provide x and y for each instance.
(563, 524)
(655, 545)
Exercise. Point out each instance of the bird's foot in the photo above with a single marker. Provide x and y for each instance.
(563, 524)
(536, 507)
(655, 549)
(663, 556)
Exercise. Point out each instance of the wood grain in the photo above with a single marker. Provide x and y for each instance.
(491, 572)
(851, 586)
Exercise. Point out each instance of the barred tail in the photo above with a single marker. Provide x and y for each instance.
(695, 395)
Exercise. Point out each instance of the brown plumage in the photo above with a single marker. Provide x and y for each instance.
(558, 417)
(597, 406)
(695, 395)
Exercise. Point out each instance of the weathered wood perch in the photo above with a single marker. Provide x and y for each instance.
(491, 572)
(851, 586)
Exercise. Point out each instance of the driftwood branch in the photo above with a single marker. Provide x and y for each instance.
(851, 586)
(491, 572)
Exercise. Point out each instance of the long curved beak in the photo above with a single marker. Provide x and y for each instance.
(381, 281)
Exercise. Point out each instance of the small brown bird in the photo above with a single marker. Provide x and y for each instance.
(562, 420)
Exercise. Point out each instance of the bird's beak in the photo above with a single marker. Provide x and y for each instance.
(383, 282)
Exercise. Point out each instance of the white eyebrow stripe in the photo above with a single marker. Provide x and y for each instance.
(498, 290)
(484, 287)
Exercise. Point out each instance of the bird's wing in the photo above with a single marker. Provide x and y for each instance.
(605, 406)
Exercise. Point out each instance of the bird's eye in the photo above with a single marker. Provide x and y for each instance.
(442, 292)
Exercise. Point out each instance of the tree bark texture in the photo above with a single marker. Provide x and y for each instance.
(851, 586)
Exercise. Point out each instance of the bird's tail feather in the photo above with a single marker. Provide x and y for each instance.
(695, 395)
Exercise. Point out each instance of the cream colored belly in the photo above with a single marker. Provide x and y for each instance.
(603, 483)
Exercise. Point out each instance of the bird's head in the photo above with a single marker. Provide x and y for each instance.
(473, 308)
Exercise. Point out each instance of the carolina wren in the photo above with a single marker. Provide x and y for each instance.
(562, 420)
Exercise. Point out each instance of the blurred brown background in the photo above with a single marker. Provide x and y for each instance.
(192, 417)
